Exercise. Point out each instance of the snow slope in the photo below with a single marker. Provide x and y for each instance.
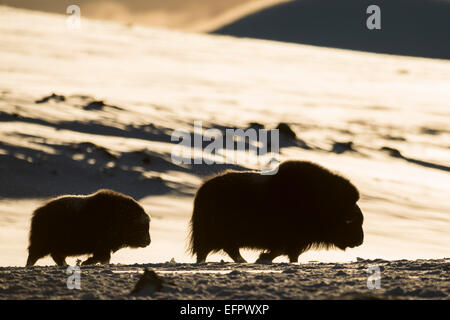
(154, 81)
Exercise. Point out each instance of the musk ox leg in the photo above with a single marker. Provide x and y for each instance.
(34, 254)
(201, 256)
(235, 255)
(103, 258)
(267, 257)
(91, 260)
(32, 259)
(293, 256)
(59, 259)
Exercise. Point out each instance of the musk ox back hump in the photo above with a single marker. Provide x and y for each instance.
(96, 224)
(302, 205)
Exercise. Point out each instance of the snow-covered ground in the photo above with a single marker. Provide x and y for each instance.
(403, 279)
(154, 81)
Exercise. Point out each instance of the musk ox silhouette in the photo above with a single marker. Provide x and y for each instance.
(302, 206)
(98, 224)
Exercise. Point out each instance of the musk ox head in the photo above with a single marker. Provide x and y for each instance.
(130, 222)
(321, 200)
(137, 232)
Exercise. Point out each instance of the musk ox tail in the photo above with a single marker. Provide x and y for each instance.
(191, 246)
(194, 242)
(38, 237)
(200, 226)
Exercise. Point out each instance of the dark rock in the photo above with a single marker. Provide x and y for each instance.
(53, 96)
(392, 152)
(255, 125)
(94, 105)
(341, 147)
(286, 130)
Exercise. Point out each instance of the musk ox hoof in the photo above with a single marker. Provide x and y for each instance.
(98, 224)
(263, 261)
(240, 260)
(95, 260)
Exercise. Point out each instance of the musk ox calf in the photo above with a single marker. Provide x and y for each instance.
(95, 224)
(303, 205)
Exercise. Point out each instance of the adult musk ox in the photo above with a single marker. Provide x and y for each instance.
(303, 205)
(98, 224)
